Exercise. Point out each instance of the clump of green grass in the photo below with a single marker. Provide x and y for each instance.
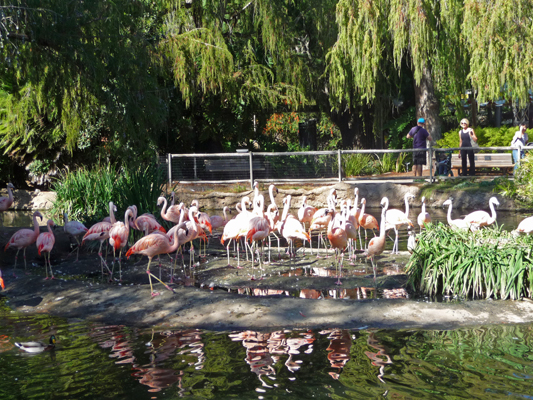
(85, 193)
(488, 263)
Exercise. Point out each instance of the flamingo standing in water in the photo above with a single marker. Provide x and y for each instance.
(23, 238)
(100, 232)
(377, 244)
(6, 202)
(478, 219)
(173, 212)
(396, 218)
(118, 238)
(306, 212)
(339, 239)
(423, 217)
(322, 217)
(153, 245)
(454, 223)
(45, 243)
(290, 228)
(258, 231)
(74, 229)
(218, 221)
(367, 221)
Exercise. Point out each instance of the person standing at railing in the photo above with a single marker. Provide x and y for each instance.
(520, 140)
(466, 137)
(419, 135)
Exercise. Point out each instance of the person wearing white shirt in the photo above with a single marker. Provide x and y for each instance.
(520, 140)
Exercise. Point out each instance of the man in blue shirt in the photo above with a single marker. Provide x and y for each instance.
(419, 135)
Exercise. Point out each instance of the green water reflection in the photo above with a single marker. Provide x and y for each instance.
(94, 361)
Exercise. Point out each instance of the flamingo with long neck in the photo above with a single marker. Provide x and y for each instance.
(118, 238)
(45, 243)
(74, 229)
(100, 232)
(396, 218)
(23, 238)
(377, 244)
(367, 221)
(322, 217)
(454, 223)
(290, 228)
(153, 245)
(339, 239)
(423, 217)
(258, 231)
(478, 219)
(173, 212)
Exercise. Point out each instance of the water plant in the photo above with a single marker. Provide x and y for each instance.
(86, 193)
(487, 263)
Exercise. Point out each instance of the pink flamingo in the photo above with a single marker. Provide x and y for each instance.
(74, 229)
(322, 218)
(377, 244)
(23, 238)
(290, 228)
(367, 221)
(306, 212)
(173, 212)
(423, 217)
(45, 243)
(154, 245)
(2, 284)
(100, 232)
(231, 232)
(339, 239)
(525, 226)
(218, 221)
(478, 219)
(118, 238)
(258, 231)
(6, 202)
(147, 224)
(454, 223)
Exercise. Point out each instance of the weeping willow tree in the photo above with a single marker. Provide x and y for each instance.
(499, 36)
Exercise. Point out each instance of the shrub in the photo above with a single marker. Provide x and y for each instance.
(85, 194)
(487, 263)
(357, 164)
(487, 137)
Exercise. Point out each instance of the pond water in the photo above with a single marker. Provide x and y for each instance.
(94, 361)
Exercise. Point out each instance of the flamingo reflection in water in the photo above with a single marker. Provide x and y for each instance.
(380, 358)
(263, 350)
(339, 349)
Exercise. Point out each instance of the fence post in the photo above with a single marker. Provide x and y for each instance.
(430, 163)
(169, 170)
(251, 171)
(339, 161)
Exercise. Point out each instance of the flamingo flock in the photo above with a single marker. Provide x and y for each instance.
(340, 222)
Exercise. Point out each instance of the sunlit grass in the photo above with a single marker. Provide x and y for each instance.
(488, 263)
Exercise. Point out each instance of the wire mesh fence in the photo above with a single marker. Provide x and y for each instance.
(320, 166)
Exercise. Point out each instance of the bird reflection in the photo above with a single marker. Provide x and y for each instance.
(339, 349)
(161, 347)
(379, 359)
(263, 350)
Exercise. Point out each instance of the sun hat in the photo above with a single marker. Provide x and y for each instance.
(421, 121)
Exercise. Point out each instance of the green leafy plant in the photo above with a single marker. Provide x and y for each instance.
(387, 163)
(487, 263)
(357, 164)
(487, 137)
(85, 194)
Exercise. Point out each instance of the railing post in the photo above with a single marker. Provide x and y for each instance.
(251, 171)
(339, 161)
(169, 170)
(430, 163)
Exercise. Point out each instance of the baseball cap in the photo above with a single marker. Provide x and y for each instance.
(421, 121)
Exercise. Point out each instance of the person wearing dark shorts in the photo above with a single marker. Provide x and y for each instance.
(419, 135)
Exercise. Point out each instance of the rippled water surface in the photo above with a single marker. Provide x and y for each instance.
(96, 361)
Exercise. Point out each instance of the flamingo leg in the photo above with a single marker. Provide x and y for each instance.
(340, 269)
(49, 265)
(15, 266)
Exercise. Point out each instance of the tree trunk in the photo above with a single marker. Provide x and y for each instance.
(343, 120)
(427, 104)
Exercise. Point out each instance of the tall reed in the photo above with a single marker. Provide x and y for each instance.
(85, 194)
(488, 263)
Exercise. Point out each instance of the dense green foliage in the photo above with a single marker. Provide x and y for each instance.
(487, 263)
(85, 193)
(487, 137)
(124, 80)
